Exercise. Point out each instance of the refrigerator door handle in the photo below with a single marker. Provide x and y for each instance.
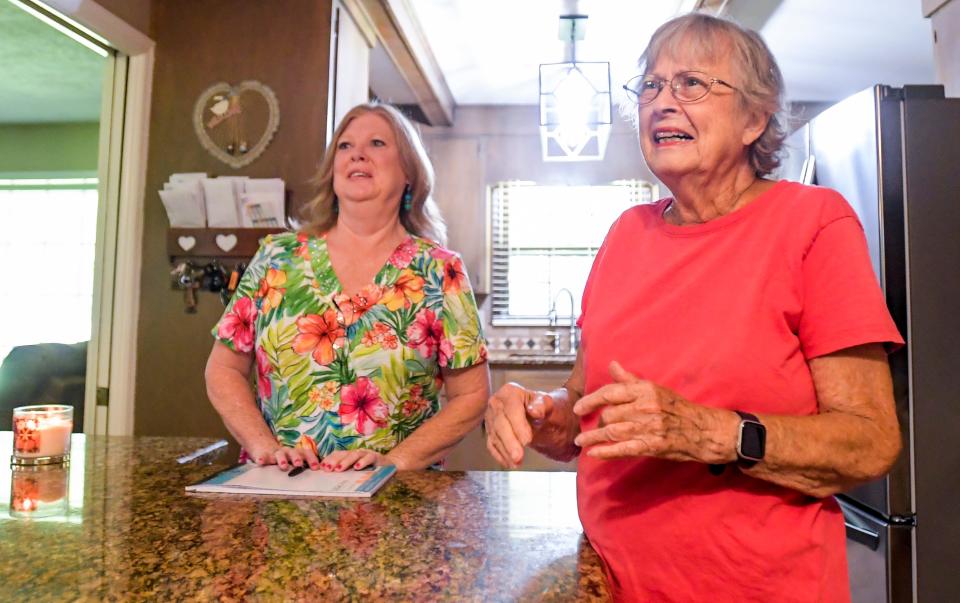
(863, 535)
(809, 172)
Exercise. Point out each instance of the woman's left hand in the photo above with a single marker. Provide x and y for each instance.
(641, 418)
(341, 460)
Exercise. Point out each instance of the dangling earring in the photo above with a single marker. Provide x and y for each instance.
(407, 199)
(336, 205)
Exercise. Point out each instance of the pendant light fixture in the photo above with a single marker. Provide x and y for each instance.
(575, 101)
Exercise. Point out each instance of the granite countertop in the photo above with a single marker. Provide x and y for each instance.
(125, 530)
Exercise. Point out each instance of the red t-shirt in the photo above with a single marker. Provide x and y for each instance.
(727, 314)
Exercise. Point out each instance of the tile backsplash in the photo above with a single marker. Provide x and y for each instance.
(512, 339)
(513, 342)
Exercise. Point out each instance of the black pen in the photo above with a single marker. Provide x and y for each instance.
(297, 471)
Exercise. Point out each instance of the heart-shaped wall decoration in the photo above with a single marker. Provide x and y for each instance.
(226, 242)
(236, 123)
(186, 243)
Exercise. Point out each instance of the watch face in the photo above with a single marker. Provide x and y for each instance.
(752, 440)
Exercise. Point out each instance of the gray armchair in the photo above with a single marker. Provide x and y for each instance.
(43, 373)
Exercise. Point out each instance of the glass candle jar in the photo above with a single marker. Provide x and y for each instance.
(39, 490)
(41, 434)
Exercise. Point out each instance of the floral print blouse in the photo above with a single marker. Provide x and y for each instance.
(337, 372)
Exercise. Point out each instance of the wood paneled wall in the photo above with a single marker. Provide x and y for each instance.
(136, 13)
(285, 45)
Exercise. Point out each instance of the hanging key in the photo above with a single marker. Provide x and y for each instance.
(186, 276)
(214, 279)
(177, 272)
(190, 284)
(233, 281)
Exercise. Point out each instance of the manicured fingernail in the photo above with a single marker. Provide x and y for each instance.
(576, 440)
(357, 466)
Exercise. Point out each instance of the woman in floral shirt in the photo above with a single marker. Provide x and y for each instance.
(356, 323)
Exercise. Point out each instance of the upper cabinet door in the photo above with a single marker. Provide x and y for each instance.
(461, 194)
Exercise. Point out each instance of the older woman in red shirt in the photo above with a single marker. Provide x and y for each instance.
(733, 371)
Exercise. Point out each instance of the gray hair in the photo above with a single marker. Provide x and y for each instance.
(761, 86)
(423, 219)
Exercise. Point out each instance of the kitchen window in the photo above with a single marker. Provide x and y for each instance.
(544, 239)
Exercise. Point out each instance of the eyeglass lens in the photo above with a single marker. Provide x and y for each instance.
(687, 86)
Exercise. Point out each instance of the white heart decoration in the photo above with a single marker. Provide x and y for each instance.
(223, 104)
(226, 242)
(186, 243)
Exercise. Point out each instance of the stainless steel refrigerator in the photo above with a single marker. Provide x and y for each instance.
(894, 153)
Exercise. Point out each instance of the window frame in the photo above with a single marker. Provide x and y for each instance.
(498, 194)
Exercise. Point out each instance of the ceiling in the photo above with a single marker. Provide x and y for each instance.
(489, 50)
(47, 77)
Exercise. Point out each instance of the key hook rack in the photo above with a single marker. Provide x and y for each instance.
(211, 259)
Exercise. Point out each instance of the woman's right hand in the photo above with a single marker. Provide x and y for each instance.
(283, 456)
(513, 417)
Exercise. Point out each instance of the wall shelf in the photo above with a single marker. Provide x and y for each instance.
(228, 243)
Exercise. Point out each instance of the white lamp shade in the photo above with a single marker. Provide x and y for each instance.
(575, 110)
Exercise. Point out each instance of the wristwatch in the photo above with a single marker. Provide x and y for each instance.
(751, 440)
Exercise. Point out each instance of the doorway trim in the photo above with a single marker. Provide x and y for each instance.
(129, 257)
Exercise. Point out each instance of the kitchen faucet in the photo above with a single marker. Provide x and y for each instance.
(574, 338)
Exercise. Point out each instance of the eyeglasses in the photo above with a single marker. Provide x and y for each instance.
(686, 87)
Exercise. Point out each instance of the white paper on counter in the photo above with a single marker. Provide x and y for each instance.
(221, 202)
(253, 479)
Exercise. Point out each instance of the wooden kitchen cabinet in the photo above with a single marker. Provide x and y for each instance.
(460, 192)
(472, 455)
(535, 377)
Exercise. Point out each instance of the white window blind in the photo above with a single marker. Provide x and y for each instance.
(544, 239)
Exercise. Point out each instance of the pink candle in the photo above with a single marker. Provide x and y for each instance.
(42, 433)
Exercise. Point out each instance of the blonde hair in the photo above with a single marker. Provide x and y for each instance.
(761, 89)
(422, 219)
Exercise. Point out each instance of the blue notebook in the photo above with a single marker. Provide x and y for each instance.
(269, 479)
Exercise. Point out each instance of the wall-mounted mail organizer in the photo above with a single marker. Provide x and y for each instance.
(211, 259)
